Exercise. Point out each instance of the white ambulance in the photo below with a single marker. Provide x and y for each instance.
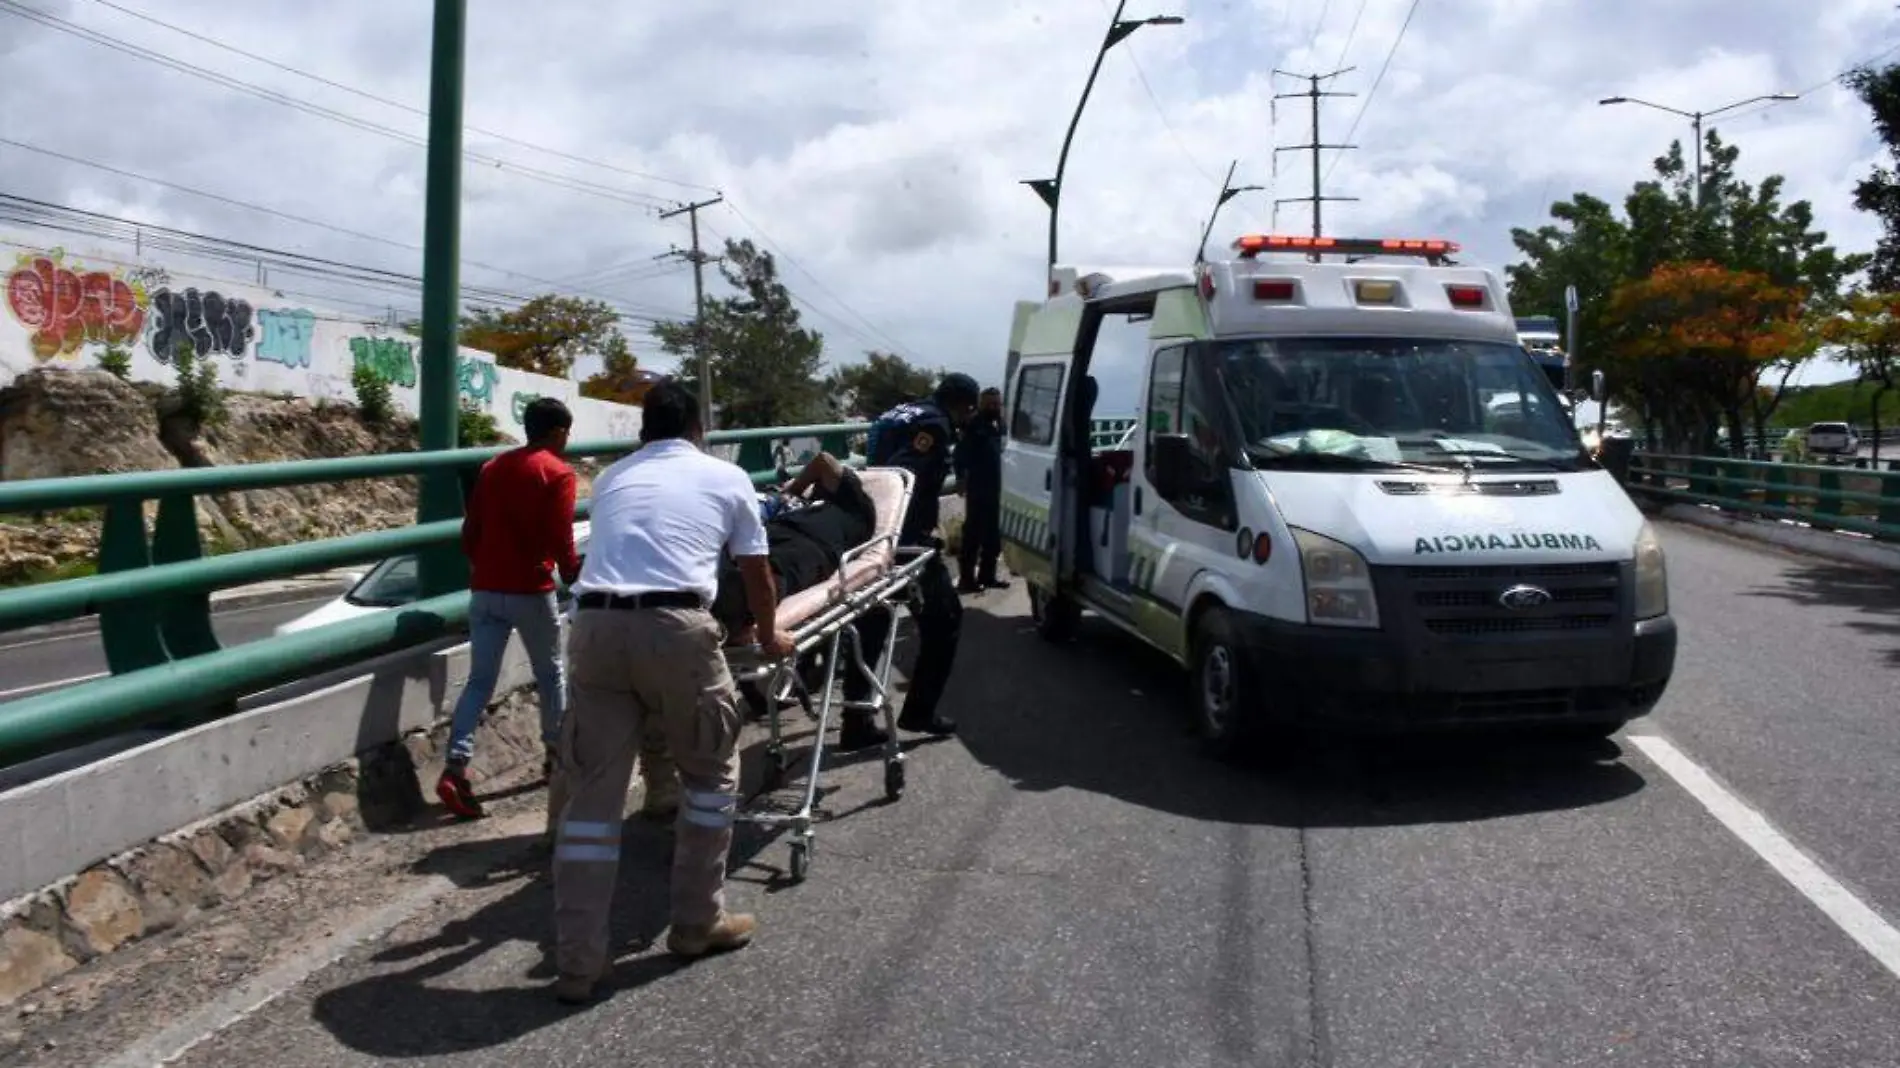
(1351, 498)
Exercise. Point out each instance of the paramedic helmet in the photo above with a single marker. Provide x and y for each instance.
(958, 395)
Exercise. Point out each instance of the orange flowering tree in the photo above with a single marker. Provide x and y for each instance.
(1697, 346)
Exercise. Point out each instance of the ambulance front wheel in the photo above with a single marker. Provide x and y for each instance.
(1056, 616)
(1222, 691)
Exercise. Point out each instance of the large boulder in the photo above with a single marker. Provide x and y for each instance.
(57, 423)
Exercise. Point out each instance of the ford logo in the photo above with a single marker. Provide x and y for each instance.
(1518, 598)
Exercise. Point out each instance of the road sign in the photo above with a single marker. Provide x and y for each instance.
(1570, 299)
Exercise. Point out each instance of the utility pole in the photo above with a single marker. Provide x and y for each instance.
(699, 260)
(1313, 93)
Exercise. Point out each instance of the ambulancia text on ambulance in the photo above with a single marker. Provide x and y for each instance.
(1351, 497)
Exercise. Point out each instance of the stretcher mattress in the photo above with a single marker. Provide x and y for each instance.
(889, 489)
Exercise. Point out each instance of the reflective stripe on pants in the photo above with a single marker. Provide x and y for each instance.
(626, 670)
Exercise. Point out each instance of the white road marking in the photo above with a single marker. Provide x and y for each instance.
(21, 691)
(1861, 923)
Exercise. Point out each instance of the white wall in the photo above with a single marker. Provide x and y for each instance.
(62, 309)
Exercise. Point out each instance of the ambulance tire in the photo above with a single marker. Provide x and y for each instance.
(1057, 618)
(1222, 688)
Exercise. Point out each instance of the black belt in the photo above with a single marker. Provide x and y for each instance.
(626, 602)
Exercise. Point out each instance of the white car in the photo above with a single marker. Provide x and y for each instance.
(390, 584)
(1832, 438)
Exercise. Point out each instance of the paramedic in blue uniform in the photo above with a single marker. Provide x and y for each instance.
(979, 465)
(919, 437)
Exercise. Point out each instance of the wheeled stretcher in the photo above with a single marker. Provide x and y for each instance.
(820, 620)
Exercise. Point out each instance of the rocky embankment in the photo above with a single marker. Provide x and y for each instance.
(59, 423)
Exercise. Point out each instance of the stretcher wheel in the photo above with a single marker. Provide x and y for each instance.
(893, 781)
(801, 861)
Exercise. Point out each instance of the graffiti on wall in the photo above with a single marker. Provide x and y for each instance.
(286, 336)
(519, 403)
(208, 321)
(477, 380)
(67, 308)
(393, 361)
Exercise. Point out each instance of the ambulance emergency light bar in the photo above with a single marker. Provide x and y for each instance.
(1251, 245)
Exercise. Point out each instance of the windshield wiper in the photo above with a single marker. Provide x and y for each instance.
(1337, 460)
(1474, 456)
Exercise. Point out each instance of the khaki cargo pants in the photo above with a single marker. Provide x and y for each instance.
(625, 670)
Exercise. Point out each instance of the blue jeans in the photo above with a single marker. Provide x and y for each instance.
(491, 618)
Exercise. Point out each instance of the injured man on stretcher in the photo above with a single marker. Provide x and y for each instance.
(806, 538)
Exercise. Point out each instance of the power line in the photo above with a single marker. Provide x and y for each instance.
(1312, 39)
(1141, 76)
(896, 345)
(144, 235)
(1376, 82)
(1343, 49)
(646, 201)
(412, 109)
(262, 210)
(1817, 86)
(651, 202)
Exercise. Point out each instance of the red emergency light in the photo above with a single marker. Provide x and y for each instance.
(1465, 296)
(1251, 245)
(1273, 289)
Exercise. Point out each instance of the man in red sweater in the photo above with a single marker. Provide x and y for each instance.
(518, 531)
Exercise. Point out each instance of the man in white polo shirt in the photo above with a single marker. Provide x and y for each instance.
(644, 643)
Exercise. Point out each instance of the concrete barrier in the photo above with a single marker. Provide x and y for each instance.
(129, 845)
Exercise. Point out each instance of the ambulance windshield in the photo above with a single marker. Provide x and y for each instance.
(1395, 400)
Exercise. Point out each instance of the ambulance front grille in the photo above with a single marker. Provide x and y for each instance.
(1471, 602)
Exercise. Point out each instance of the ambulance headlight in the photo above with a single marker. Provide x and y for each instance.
(1652, 577)
(1338, 583)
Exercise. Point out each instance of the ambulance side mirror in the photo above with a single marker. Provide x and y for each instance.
(1170, 464)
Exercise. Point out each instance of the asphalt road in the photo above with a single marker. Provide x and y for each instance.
(1069, 883)
(31, 665)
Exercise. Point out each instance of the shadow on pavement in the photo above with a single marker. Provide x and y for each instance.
(1105, 715)
(1872, 593)
(415, 1007)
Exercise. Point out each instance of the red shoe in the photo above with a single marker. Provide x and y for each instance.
(457, 796)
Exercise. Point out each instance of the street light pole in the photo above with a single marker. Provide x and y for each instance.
(441, 569)
(1050, 189)
(1695, 122)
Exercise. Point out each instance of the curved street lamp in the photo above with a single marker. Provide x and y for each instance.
(1695, 120)
(1050, 189)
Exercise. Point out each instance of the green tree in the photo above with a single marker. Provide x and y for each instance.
(547, 334)
(1736, 226)
(1878, 194)
(882, 382)
(116, 362)
(1868, 333)
(475, 428)
(374, 401)
(765, 363)
(200, 398)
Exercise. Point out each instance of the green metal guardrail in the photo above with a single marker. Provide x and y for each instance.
(153, 596)
(1828, 497)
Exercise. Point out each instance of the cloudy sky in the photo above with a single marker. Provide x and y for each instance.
(877, 147)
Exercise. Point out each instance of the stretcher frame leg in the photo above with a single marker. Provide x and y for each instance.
(837, 632)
